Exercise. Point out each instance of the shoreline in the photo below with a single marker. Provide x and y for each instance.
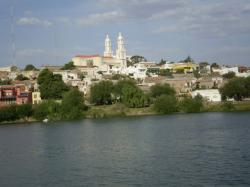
(114, 111)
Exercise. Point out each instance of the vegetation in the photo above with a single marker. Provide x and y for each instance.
(229, 75)
(5, 82)
(136, 59)
(30, 67)
(237, 88)
(161, 89)
(21, 77)
(165, 72)
(165, 104)
(51, 86)
(191, 105)
(162, 62)
(68, 66)
(15, 112)
(101, 93)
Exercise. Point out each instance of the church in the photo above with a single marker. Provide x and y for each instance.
(109, 63)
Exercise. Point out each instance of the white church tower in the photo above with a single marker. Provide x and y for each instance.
(108, 47)
(121, 51)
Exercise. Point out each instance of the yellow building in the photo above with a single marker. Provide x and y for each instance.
(36, 97)
(185, 67)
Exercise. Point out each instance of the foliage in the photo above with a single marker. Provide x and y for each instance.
(191, 105)
(162, 62)
(236, 88)
(100, 93)
(165, 72)
(117, 89)
(15, 112)
(229, 75)
(47, 109)
(133, 97)
(21, 77)
(214, 65)
(188, 59)
(29, 67)
(136, 59)
(72, 105)
(68, 66)
(5, 82)
(161, 89)
(165, 104)
(196, 74)
(24, 110)
(51, 86)
(228, 106)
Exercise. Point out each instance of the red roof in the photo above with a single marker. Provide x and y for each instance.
(87, 56)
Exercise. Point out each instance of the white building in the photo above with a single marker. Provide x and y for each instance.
(137, 71)
(212, 95)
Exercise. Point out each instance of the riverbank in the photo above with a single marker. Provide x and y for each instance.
(120, 110)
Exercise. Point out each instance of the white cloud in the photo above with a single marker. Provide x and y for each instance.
(34, 21)
(100, 18)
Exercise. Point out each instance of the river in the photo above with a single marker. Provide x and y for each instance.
(208, 149)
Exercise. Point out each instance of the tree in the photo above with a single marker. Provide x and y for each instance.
(165, 104)
(29, 67)
(196, 74)
(24, 110)
(191, 105)
(51, 86)
(188, 59)
(133, 97)
(8, 113)
(236, 88)
(161, 89)
(72, 105)
(136, 59)
(100, 93)
(162, 62)
(214, 65)
(5, 82)
(117, 89)
(229, 75)
(21, 77)
(68, 66)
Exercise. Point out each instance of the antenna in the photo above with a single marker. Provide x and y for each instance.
(13, 39)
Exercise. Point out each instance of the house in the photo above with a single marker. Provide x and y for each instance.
(36, 95)
(212, 95)
(23, 96)
(7, 95)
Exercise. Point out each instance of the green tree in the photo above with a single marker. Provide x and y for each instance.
(161, 89)
(5, 82)
(24, 110)
(162, 62)
(51, 86)
(117, 89)
(166, 104)
(68, 66)
(133, 97)
(8, 113)
(229, 75)
(100, 93)
(136, 59)
(236, 88)
(21, 77)
(191, 105)
(29, 67)
(72, 105)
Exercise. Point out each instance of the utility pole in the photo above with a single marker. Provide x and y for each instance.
(13, 39)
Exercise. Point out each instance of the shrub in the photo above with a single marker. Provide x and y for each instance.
(165, 104)
(191, 105)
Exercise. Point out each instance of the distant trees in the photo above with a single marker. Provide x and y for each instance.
(136, 59)
(101, 93)
(5, 82)
(68, 66)
(30, 67)
(162, 62)
(51, 86)
(229, 75)
(21, 77)
(191, 105)
(161, 89)
(236, 88)
(72, 106)
(165, 104)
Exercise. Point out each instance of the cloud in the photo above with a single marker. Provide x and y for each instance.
(30, 52)
(101, 18)
(33, 21)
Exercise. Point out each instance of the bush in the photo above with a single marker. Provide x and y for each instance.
(227, 106)
(161, 89)
(191, 105)
(8, 113)
(165, 104)
(24, 110)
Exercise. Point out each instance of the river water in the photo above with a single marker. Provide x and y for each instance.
(209, 149)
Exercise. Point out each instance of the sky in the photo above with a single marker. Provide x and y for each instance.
(53, 31)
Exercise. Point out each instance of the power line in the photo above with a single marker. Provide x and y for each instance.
(13, 38)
